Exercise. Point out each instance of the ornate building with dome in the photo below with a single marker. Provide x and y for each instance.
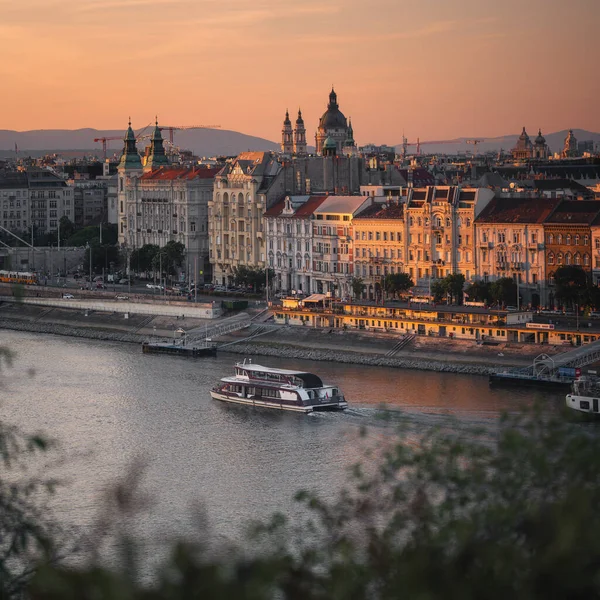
(525, 149)
(333, 125)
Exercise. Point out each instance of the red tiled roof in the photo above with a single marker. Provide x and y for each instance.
(305, 210)
(172, 173)
(518, 210)
(381, 211)
(575, 211)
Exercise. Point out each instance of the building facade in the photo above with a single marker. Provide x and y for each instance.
(510, 243)
(244, 190)
(568, 238)
(289, 236)
(333, 258)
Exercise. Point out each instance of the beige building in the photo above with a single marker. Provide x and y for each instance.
(243, 190)
(510, 243)
(440, 232)
(378, 244)
(333, 261)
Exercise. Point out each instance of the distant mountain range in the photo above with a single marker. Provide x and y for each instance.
(203, 142)
(554, 140)
(220, 142)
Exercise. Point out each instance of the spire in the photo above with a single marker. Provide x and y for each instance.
(287, 121)
(287, 142)
(299, 135)
(157, 156)
(130, 159)
(299, 120)
(332, 99)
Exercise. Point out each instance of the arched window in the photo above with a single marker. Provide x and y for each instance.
(426, 221)
(551, 278)
(568, 258)
(559, 258)
(550, 238)
(568, 239)
(240, 198)
(248, 198)
(578, 259)
(448, 222)
(218, 197)
(225, 198)
(438, 221)
(586, 260)
(559, 239)
(576, 240)
(586, 240)
(468, 222)
(419, 221)
(411, 221)
(551, 258)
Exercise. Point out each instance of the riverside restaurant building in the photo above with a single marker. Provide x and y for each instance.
(475, 322)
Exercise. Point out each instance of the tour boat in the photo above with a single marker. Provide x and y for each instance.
(585, 395)
(282, 389)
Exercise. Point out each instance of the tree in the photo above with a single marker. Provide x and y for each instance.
(571, 285)
(142, 259)
(27, 533)
(102, 256)
(504, 291)
(66, 229)
(358, 285)
(479, 291)
(174, 253)
(455, 283)
(500, 514)
(439, 291)
(397, 283)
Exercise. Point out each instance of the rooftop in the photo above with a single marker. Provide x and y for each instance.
(179, 173)
(518, 210)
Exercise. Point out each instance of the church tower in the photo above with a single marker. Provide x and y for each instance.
(300, 136)
(350, 145)
(287, 146)
(157, 157)
(130, 166)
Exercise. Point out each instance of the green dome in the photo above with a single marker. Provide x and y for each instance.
(329, 144)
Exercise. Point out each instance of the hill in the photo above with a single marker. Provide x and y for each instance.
(203, 142)
(507, 142)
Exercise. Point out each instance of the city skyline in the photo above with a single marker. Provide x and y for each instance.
(435, 71)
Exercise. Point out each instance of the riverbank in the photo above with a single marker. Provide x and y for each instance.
(350, 347)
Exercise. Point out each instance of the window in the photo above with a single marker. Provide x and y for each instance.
(568, 240)
(559, 258)
(577, 240)
(568, 258)
(586, 260)
(551, 258)
(193, 226)
(551, 239)
(559, 239)
(578, 259)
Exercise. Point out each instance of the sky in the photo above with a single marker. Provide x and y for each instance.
(433, 69)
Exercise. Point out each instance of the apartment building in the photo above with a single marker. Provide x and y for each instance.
(289, 237)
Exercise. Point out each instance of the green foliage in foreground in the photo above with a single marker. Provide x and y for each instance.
(454, 517)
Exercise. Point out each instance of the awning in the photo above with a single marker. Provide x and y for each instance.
(315, 298)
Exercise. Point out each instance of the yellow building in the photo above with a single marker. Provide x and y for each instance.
(378, 244)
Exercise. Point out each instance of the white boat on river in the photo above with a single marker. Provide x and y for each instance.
(282, 389)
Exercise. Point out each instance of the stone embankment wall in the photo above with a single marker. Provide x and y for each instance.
(341, 356)
(172, 309)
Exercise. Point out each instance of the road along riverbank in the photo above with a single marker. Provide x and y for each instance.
(431, 354)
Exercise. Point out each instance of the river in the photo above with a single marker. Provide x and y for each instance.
(107, 404)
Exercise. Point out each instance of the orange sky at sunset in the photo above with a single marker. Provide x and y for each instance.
(432, 68)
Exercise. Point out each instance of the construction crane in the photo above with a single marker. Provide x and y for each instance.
(475, 142)
(106, 139)
(172, 128)
(419, 143)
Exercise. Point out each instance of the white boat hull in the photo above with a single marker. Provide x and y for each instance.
(584, 404)
(274, 405)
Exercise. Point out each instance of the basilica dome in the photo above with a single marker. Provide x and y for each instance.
(333, 117)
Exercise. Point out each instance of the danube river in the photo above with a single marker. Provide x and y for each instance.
(107, 404)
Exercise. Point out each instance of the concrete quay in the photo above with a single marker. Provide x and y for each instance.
(423, 353)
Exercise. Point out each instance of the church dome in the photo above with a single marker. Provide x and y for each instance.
(333, 118)
(329, 144)
(540, 140)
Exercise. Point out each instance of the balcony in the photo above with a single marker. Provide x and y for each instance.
(502, 266)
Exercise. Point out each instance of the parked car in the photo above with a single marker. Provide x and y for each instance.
(68, 296)
(123, 281)
(121, 297)
(99, 278)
